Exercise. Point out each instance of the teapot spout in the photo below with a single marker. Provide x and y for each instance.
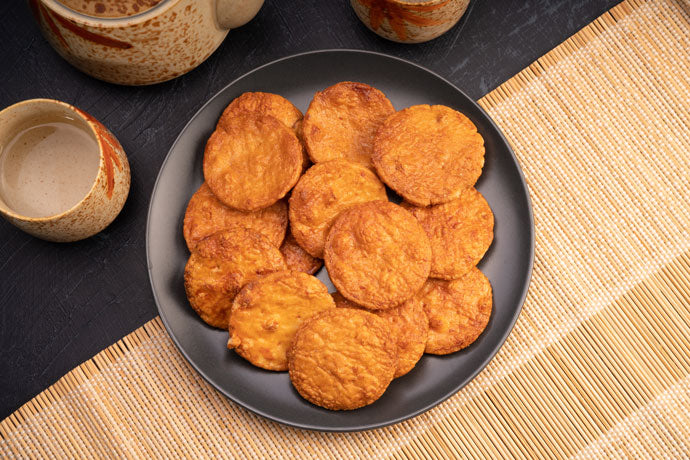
(235, 13)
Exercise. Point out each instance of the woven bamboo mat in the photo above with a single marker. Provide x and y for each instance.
(597, 365)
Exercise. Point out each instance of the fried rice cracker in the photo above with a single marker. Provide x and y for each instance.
(428, 154)
(267, 312)
(342, 359)
(460, 233)
(323, 193)
(221, 264)
(253, 162)
(458, 311)
(409, 327)
(206, 215)
(263, 104)
(377, 255)
(342, 120)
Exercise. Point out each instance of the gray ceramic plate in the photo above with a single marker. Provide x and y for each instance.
(508, 263)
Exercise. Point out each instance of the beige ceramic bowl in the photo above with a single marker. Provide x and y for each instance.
(409, 21)
(107, 195)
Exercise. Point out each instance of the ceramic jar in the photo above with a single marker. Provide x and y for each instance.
(159, 44)
(409, 21)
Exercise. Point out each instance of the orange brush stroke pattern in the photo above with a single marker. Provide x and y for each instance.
(50, 17)
(398, 15)
(88, 35)
(110, 145)
(52, 26)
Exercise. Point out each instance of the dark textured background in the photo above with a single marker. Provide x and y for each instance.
(62, 303)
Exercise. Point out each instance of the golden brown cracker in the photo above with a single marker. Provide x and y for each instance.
(458, 311)
(460, 233)
(298, 259)
(342, 120)
(428, 154)
(262, 104)
(342, 359)
(221, 264)
(253, 162)
(267, 312)
(409, 327)
(206, 215)
(267, 104)
(323, 193)
(377, 254)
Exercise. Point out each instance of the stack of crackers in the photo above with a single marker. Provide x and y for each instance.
(406, 276)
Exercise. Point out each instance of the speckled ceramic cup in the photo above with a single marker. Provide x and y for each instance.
(33, 135)
(156, 45)
(409, 21)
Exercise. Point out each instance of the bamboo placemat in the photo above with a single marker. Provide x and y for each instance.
(597, 365)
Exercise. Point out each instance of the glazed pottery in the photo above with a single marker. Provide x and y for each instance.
(409, 21)
(107, 184)
(156, 45)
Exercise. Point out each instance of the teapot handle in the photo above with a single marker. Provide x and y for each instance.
(235, 13)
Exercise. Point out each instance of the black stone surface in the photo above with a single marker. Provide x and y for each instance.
(62, 303)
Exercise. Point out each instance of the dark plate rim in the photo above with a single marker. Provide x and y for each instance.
(460, 384)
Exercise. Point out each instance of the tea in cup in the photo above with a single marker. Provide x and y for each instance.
(63, 175)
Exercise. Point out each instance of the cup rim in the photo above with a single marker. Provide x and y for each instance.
(94, 132)
(417, 3)
(101, 21)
